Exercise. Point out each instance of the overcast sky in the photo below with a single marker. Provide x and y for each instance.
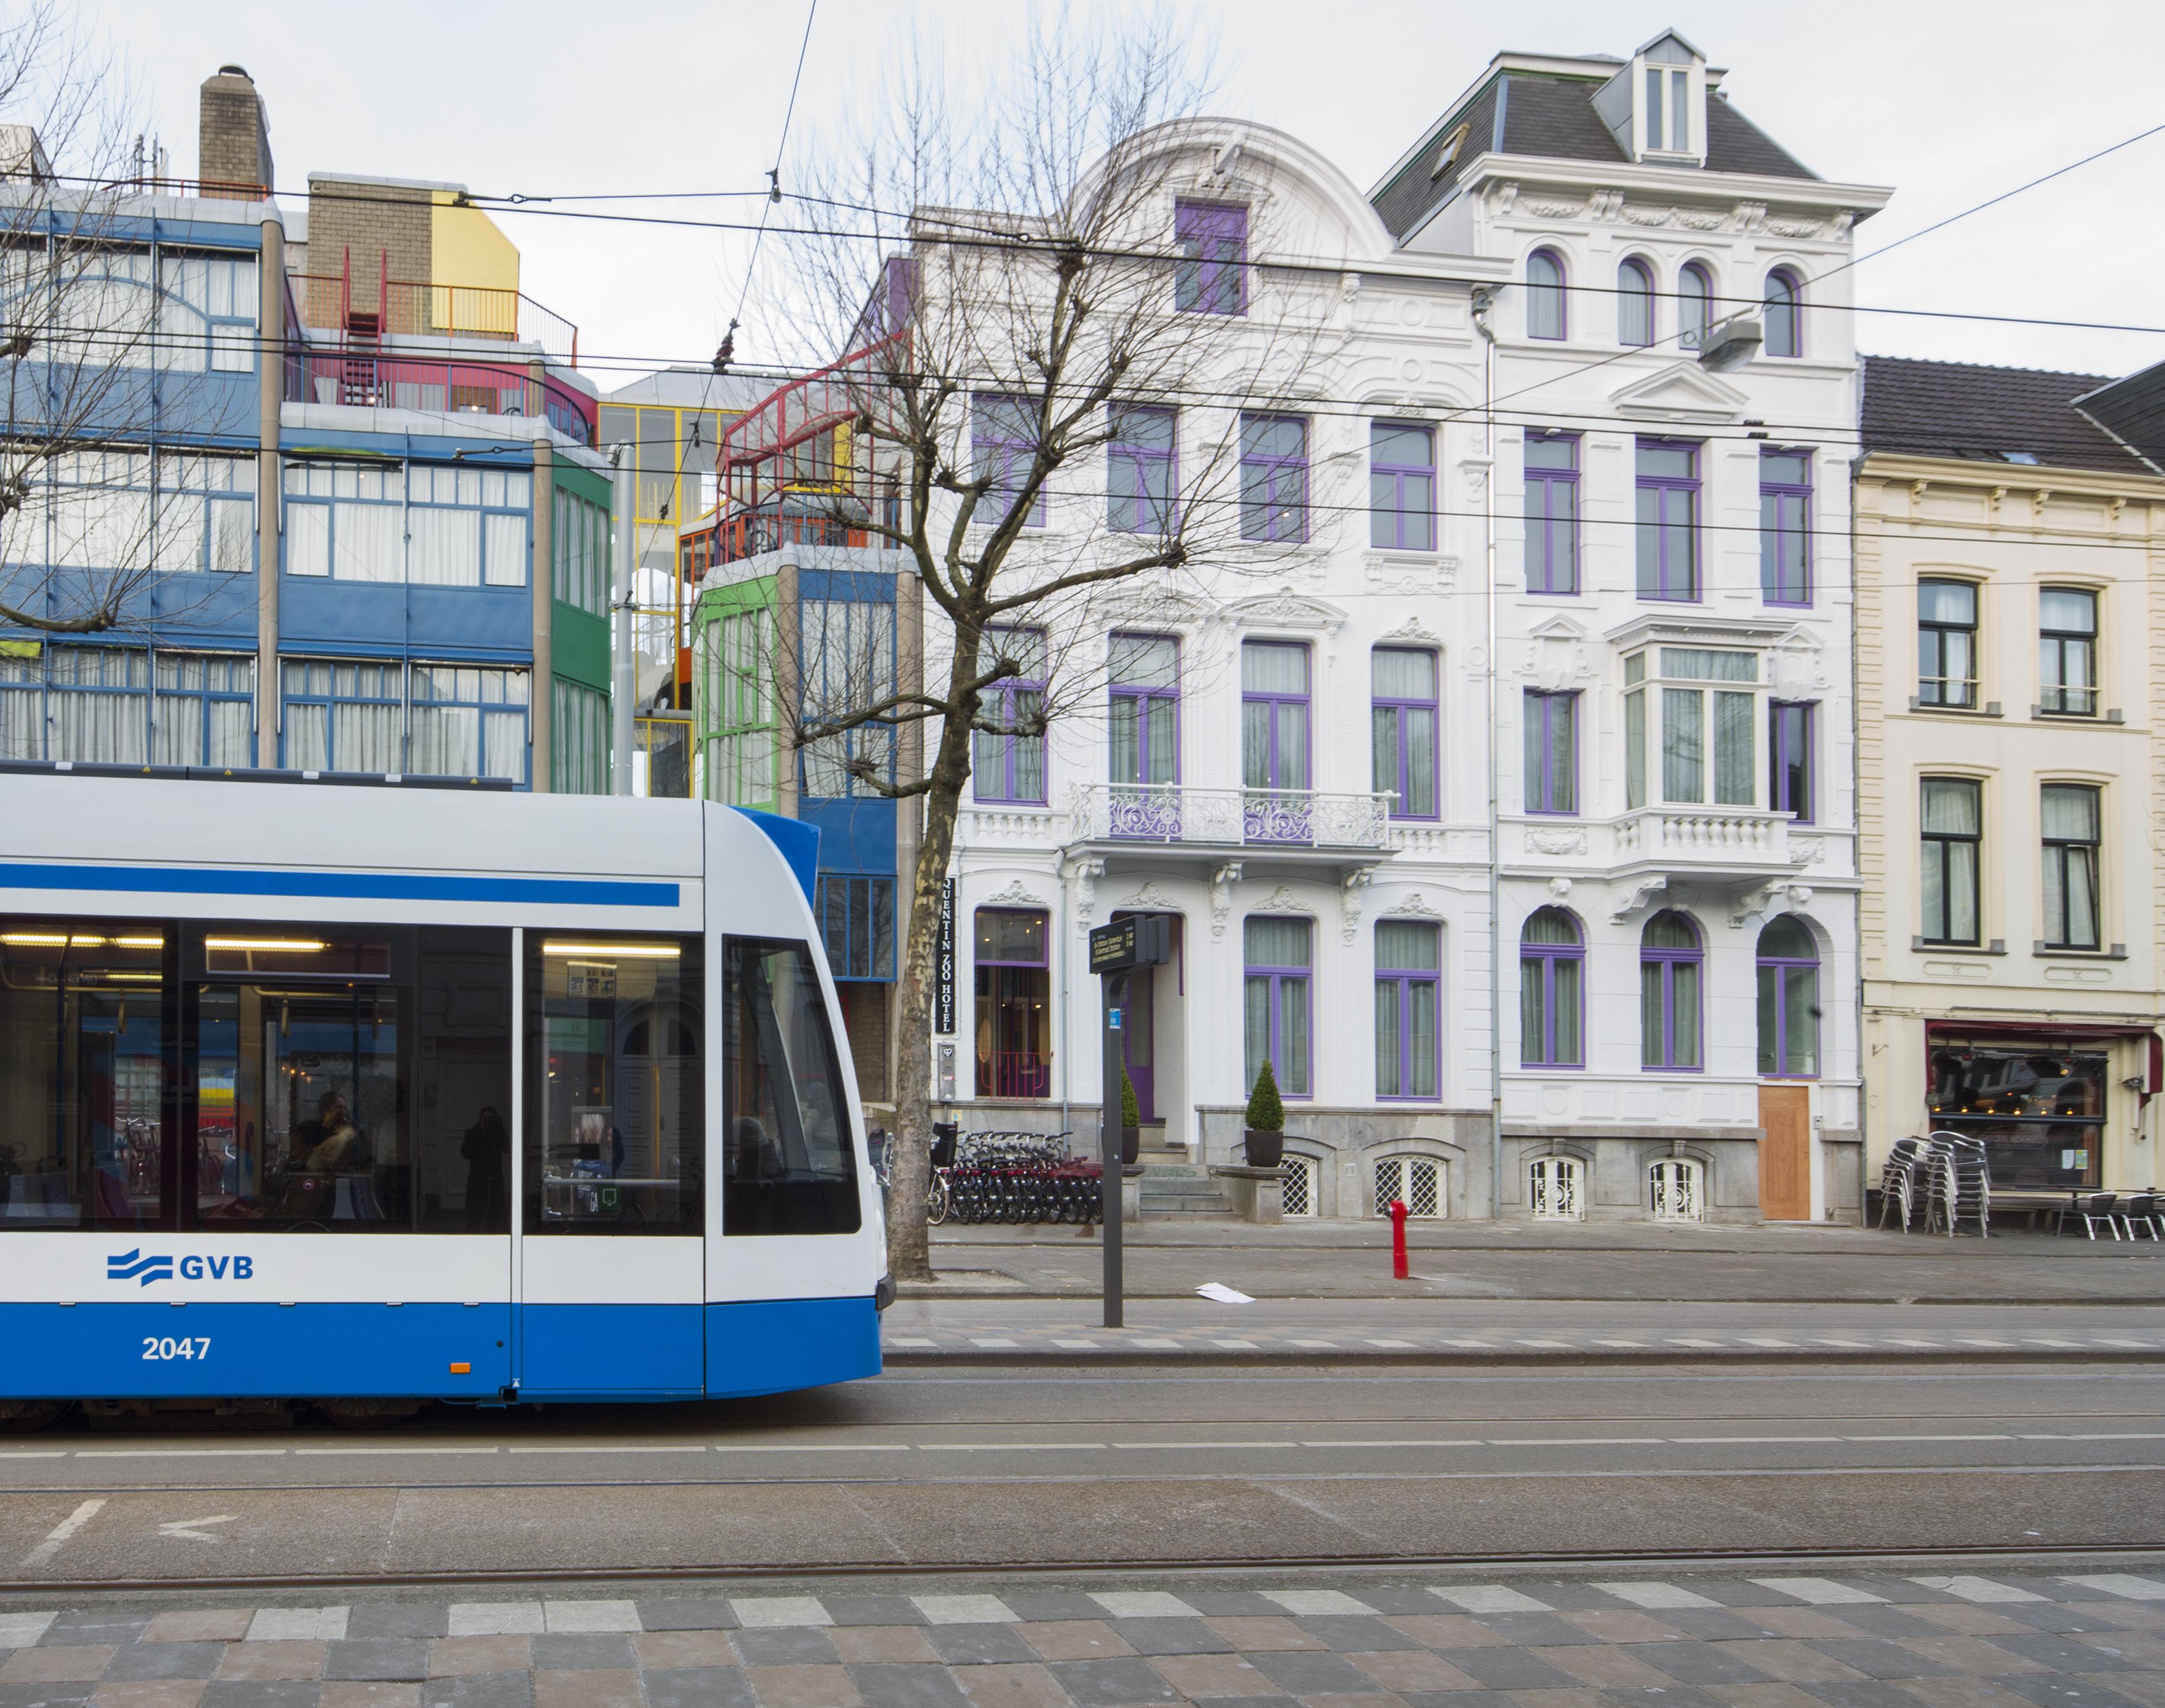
(1950, 105)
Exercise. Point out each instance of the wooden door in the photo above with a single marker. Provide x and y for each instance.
(1785, 1153)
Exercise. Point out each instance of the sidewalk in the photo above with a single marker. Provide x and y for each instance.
(1651, 1262)
(1518, 1293)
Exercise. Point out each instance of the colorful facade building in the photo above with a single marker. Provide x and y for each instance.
(368, 482)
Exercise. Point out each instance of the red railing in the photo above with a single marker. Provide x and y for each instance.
(1015, 1073)
(465, 311)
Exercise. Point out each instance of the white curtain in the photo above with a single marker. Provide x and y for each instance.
(307, 737)
(371, 541)
(446, 740)
(307, 539)
(503, 745)
(231, 535)
(506, 555)
(446, 546)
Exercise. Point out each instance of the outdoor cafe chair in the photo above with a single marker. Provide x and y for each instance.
(2089, 1211)
(2140, 1210)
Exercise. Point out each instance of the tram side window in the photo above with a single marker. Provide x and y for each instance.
(82, 1038)
(790, 1160)
(351, 1079)
(615, 1112)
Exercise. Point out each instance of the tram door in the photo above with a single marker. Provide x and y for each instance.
(612, 1257)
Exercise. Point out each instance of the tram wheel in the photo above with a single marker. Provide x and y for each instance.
(27, 1417)
(368, 1414)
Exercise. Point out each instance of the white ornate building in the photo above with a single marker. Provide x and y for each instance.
(1640, 701)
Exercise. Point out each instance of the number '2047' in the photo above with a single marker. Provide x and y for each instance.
(154, 1347)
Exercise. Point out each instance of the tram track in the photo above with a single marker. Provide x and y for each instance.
(2001, 1557)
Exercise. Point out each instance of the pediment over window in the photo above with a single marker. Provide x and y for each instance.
(1284, 609)
(1144, 607)
(1682, 391)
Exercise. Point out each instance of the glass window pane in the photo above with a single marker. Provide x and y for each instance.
(1770, 1031)
(1734, 750)
(1292, 1037)
(1683, 1025)
(1276, 943)
(1564, 975)
(1533, 1030)
(789, 1151)
(1387, 1083)
(1399, 673)
(1800, 1002)
(1405, 945)
(1683, 744)
(615, 1108)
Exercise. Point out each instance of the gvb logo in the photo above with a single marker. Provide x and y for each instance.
(133, 1266)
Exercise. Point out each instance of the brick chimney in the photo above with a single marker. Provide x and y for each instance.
(232, 156)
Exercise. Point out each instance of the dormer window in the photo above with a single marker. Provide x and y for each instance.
(1669, 109)
(1656, 104)
(1452, 144)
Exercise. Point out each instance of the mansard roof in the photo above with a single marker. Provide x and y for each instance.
(1981, 413)
(1551, 115)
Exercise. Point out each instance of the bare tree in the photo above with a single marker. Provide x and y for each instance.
(97, 335)
(1031, 308)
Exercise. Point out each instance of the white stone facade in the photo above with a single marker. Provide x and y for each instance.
(1426, 331)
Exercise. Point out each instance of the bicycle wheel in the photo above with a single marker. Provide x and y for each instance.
(936, 1201)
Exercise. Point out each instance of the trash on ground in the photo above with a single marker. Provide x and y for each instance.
(1219, 1293)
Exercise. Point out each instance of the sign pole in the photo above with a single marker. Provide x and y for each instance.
(1110, 1183)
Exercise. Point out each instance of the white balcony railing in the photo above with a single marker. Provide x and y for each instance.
(1175, 813)
(1704, 833)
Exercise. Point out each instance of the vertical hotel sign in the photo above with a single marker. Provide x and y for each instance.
(943, 1001)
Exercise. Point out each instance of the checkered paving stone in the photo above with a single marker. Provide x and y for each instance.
(1955, 1641)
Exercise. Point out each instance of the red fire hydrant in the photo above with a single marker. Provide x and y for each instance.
(1399, 1271)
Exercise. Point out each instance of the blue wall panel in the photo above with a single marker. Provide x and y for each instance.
(576, 1351)
(855, 836)
(772, 1346)
(277, 1350)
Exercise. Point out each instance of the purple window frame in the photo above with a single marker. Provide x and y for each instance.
(1674, 540)
(1270, 515)
(1781, 965)
(1400, 704)
(1274, 780)
(1548, 304)
(1393, 516)
(1552, 540)
(1129, 465)
(1785, 313)
(1543, 957)
(1634, 295)
(1033, 1079)
(986, 443)
(1669, 960)
(1002, 695)
(1549, 708)
(1404, 981)
(1790, 738)
(1204, 282)
(1785, 509)
(1150, 703)
(1279, 977)
(1695, 302)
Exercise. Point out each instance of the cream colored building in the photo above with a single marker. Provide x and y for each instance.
(2010, 745)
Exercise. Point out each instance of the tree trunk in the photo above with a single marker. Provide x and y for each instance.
(909, 1245)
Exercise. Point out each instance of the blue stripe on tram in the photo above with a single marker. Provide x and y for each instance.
(344, 886)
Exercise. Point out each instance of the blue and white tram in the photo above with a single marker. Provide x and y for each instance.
(370, 1097)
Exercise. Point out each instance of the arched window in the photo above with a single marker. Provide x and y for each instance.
(1669, 962)
(1675, 1189)
(1634, 304)
(1694, 305)
(1544, 304)
(1417, 1182)
(1785, 314)
(1788, 1000)
(1551, 986)
(1554, 1188)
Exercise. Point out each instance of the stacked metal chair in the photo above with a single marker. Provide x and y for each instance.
(1958, 1184)
(1898, 1179)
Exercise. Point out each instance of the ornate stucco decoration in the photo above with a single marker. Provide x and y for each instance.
(1152, 899)
(1413, 907)
(1015, 896)
(1285, 609)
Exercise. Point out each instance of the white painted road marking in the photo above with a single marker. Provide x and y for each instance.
(1978, 1589)
(1142, 1604)
(297, 1624)
(496, 1619)
(966, 1610)
(191, 1529)
(57, 1537)
(2112, 1583)
(23, 1630)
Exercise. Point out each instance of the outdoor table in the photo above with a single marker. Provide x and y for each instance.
(2036, 1201)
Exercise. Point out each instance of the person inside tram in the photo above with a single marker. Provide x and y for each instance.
(486, 1149)
(321, 1146)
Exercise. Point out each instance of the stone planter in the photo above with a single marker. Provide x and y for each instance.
(1266, 1150)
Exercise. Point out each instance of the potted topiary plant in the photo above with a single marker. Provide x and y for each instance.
(1265, 1129)
(1131, 1120)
